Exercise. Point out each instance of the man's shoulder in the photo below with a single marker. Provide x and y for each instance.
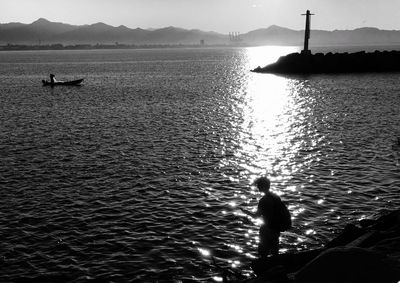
(276, 197)
(270, 198)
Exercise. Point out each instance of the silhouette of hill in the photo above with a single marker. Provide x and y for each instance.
(99, 33)
(40, 30)
(10, 26)
(273, 35)
(360, 36)
(46, 32)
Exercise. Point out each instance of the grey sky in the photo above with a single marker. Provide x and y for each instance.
(217, 15)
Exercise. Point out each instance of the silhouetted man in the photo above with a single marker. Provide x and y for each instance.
(275, 216)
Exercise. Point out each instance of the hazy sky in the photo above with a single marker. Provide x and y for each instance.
(216, 15)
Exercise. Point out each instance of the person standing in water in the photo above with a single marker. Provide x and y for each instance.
(276, 218)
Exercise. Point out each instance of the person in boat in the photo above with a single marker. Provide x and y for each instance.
(52, 79)
(270, 208)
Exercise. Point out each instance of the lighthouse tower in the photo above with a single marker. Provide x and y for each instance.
(307, 33)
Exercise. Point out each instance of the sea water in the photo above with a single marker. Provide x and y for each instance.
(142, 173)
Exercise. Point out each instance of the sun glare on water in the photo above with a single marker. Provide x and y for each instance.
(268, 98)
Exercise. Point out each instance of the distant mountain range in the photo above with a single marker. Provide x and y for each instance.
(45, 32)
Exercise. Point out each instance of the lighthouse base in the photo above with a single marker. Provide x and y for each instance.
(306, 52)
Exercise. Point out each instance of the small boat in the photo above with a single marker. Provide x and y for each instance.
(75, 82)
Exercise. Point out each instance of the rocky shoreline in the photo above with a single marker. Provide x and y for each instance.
(367, 252)
(307, 63)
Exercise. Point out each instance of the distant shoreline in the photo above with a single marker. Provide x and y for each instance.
(314, 49)
(22, 47)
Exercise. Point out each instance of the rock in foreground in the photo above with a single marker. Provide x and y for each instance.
(368, 252)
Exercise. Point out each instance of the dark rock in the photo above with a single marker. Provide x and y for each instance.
(289, 262)
(349, 234)
(370, 253)
(390, 247)
(387, 221)
(364, 240)
(297, 63)
(348, 265)
(364, 223)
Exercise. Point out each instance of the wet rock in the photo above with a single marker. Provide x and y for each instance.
(348, 265)
(390, 247)
(349, 233)
(289, 262)
(368, 251)
(297, 63)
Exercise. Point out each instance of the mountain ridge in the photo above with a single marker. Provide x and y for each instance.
(43, 31)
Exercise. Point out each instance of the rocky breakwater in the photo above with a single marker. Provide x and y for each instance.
(307, 63)
(367, 252)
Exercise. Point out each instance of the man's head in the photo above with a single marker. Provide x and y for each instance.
(263, 184)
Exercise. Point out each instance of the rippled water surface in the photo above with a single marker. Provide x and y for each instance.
(141, 173)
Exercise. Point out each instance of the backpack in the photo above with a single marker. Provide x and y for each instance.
(282, 220)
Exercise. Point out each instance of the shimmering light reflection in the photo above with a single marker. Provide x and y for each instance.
(234, 263)
(236, 247)
(296, 212)
(310, 232)
(268, 99)
(204, 252)
(271, 139)
(232, 204)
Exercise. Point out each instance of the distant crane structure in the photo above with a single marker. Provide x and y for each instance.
(308, 15)
(234, 36)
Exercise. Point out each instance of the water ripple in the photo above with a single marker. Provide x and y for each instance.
(141, 174)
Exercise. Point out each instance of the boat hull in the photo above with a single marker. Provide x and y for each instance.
(75, 82)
